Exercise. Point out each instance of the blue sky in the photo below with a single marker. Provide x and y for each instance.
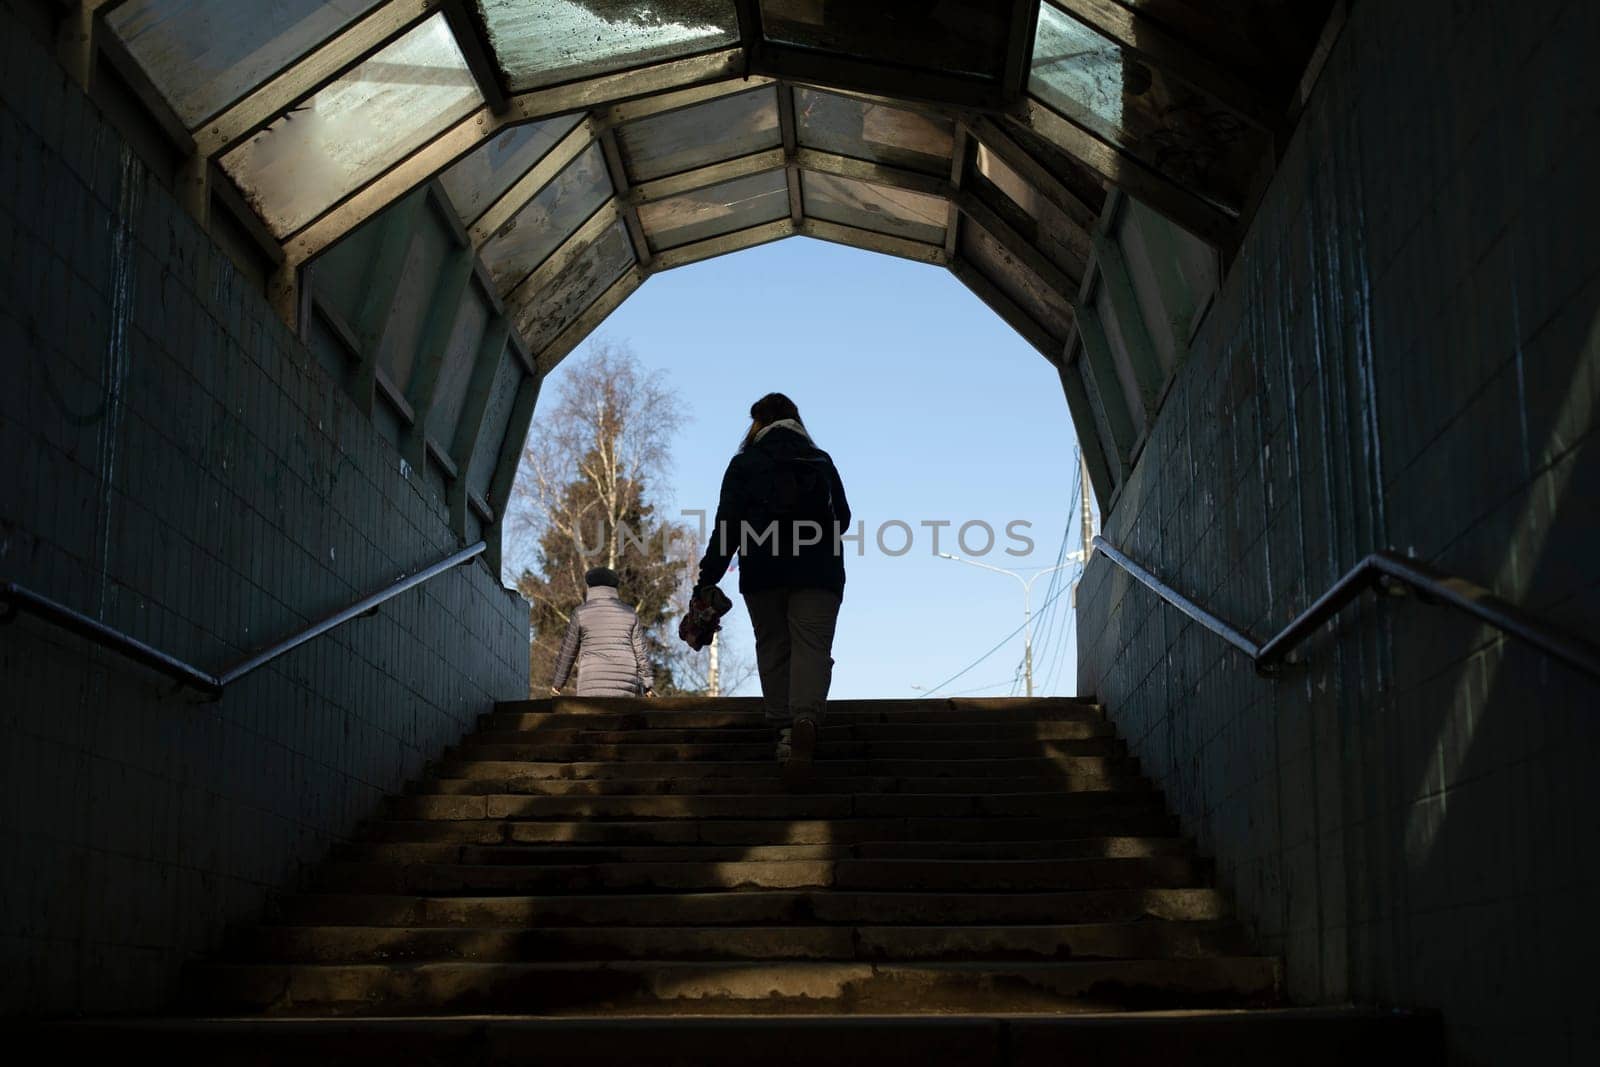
(932, 408)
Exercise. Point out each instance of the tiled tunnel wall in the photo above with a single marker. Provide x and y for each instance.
(1406, 354)
(174, 462)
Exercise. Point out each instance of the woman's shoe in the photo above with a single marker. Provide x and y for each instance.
(803, 741)
(797, 769)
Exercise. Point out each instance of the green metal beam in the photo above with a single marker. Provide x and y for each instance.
(506, 463)
(449, 296)
(1136, 340)
(1088, 432)
(1100, 363)
(377, 304)
(469, 430)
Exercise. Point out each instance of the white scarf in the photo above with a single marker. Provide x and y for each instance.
(787, 424)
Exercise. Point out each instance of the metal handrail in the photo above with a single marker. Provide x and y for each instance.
(1386, 569)
(18, 598)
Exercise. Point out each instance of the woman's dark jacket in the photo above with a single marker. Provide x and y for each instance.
(747, 506)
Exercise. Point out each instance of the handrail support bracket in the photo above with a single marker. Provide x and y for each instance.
(1392, 586)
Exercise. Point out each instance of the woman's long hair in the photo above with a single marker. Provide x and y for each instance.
(774, 407)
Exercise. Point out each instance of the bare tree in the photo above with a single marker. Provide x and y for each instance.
(693, 669)
(611, 427)
(583, 497)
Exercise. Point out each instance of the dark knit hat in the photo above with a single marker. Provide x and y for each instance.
(601, 576)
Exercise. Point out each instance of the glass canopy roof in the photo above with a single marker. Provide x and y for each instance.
(203, 56)
(353, 129)
(542, 42)
(584, 144)
(966, 37)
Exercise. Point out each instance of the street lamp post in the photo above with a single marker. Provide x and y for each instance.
(1027, 605)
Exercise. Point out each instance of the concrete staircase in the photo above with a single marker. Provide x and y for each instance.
(964, 880)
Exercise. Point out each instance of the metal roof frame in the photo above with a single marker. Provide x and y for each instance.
(991, 114)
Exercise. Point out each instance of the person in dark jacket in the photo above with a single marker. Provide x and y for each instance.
(783, 510)
(606, 641)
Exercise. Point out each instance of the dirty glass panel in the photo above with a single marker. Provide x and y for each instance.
(1044, 305)
(351, 131)
(696, 136)
(589, 274)
(203, 56)
(1078, 71)
(861, 129)
(431, 244)
(1053, 232)
(899, 212)
(544, 42)
(548, 219)
(716, 209)
(1090, 79)
(960, 36)
(480, 179)
(1085, 184)
(455, 373)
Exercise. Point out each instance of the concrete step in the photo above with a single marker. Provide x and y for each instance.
(897, 875)
(756, 720)
(369, 944)
(919, 708)
(785, 807)
(446, 852)
(760, 734)
(651, 718)
(770, 783)
(633, 858)
(754, 908)
(989, 770)
(1306, 1037)
(1143, 823)
(732, 987)
(1097, 744)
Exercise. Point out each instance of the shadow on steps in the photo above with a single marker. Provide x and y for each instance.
(641, 863)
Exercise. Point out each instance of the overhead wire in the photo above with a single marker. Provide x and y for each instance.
(981, 688)
(1052, 593)
(1069, 631)
(1060, 656)
(1046, 629)
(997, 647)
